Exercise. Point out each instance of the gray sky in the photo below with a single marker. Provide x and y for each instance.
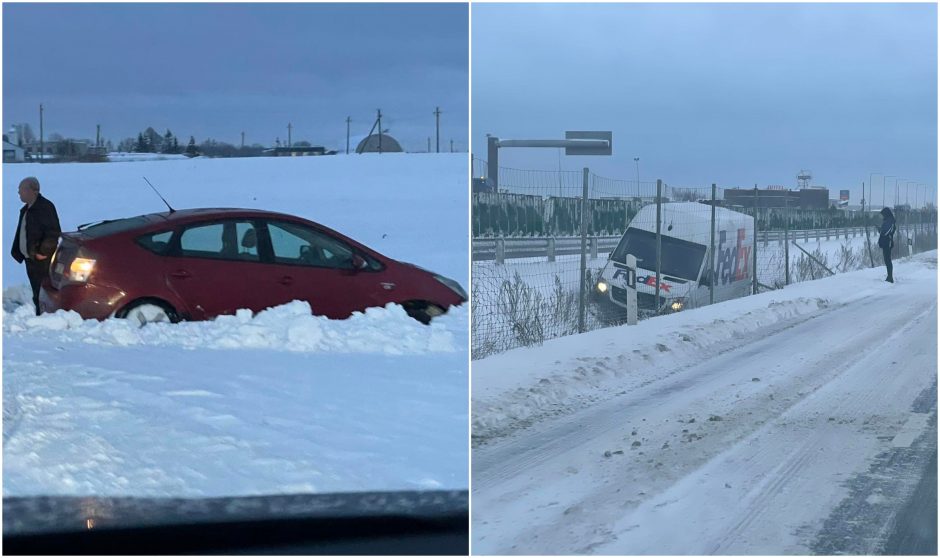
(212, 70)
(734, 94)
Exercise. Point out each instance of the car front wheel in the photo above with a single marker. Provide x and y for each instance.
(424, 312)
(147, 312)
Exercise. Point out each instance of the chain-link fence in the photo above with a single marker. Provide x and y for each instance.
(548, 247)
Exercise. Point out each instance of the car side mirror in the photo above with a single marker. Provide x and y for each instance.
(706, 280)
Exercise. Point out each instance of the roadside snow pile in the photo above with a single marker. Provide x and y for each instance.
(516, 388)
(290, 327)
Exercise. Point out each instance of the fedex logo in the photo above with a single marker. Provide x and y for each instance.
(732, 261)
(651, 281)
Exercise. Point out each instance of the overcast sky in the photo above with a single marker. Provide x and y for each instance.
(212, 70)
(734, 94)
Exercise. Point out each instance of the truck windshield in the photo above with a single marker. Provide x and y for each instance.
(681, 258)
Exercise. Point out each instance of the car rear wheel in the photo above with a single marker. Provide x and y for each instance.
(424, 312)
(149, 312)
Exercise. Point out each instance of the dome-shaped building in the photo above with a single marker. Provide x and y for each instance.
(377, 143)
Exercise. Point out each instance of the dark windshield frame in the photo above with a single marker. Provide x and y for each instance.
(681, 258)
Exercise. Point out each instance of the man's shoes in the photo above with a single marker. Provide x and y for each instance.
(890, 280)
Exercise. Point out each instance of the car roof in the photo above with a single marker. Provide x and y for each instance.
(182, 215)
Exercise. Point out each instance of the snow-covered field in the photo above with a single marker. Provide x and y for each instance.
(280, 402)
(791, 422)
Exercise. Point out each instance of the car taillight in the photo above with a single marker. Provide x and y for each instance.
(80, 269)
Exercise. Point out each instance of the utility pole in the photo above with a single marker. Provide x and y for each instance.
(98, 135)
(437, 120)
(380, 129)
(42, 145)
(348, 120)
(289, 128)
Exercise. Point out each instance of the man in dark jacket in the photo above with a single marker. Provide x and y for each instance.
(886, 240)
(37, 235)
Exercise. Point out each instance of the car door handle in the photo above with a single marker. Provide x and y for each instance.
(286, 280)
(181, 273)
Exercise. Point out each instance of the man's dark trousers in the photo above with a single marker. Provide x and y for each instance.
(37, 271)
(886, 252)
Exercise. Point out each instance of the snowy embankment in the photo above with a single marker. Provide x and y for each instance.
(791, 422)
(567, 373)
(290, 327)
(279, 402)
(493, 330)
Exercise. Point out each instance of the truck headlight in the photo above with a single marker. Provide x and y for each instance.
(676, 305)
(601, 287)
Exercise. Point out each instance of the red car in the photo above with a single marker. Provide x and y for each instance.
(196, 264)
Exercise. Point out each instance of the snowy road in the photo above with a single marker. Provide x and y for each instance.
(805, 436)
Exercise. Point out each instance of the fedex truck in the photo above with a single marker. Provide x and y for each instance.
(685, 275)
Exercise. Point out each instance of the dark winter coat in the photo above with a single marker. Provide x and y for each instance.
(888, 228)
(42, 230)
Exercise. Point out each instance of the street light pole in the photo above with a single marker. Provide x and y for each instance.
(870, 175)
(883, 188)
(637, 161)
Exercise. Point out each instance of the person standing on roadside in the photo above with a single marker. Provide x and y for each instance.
(37, 235)
(886, 240)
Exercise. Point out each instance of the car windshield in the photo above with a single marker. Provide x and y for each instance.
(680, 258)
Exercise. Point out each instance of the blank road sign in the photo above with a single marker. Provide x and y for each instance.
(592, 149)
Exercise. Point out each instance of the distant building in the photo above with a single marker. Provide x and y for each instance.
(13, 153)
(377, 143)
(804, 198)
(295, 151)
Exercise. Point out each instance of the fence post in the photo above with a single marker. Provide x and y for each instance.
(551, 248)
(630, 260)
(593, 245)
(583, 290)
(786, 237)
(754, 267)
(711, 251)
(500, 250)
(659, 239)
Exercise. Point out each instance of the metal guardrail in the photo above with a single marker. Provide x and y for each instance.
(500, 249)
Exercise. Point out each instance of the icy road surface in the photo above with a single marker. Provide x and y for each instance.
(791, 422)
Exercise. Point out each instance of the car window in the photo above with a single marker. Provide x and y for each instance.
(295, 244)
(247, 241)
(156, 242)
(231, 240)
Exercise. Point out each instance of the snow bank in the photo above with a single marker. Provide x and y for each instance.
(516, 388)
(290, 327)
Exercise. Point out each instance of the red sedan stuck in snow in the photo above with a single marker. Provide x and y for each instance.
(196, 264)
